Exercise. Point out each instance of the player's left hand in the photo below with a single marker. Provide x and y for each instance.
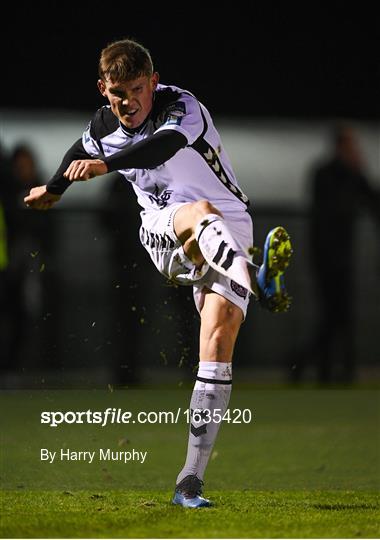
(84, 169)
(40, 199)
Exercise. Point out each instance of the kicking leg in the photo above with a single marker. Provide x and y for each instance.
(220, 323)
(205, 235)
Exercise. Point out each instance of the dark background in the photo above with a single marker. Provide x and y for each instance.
(238, 57)
(88, 307)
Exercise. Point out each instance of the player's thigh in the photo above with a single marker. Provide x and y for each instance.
(220, 323)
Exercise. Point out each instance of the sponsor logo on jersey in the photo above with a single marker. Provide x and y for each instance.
(178, 108)
(174, 113)
(173, 120)
(161, 199)
(239, 289)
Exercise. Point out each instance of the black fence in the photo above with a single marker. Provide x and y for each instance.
(82, 305)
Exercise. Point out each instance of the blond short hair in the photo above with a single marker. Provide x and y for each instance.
(125, 60)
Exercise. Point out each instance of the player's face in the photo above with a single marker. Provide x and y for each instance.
(131, 101)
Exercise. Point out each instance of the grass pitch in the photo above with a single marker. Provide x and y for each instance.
(147, 514)
(307, 466)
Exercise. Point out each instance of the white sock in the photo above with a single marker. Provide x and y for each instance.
(212, 391)
(222, 252)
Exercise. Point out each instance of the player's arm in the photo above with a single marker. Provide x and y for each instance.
(146, 154)
(44, 197)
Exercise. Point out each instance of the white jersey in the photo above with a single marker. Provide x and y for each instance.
(201, 170)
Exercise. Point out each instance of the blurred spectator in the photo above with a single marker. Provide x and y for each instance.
(340, 188)
(26, 239)
(25, 169)
(6, 207)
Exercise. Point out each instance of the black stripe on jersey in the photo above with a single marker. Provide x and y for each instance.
(211, 157)
(162, 99)
(99, 143)
(103, 123)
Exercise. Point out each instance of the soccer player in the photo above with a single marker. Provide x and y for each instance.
(194, 223)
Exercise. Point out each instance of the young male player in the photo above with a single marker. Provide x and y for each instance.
(194, 223)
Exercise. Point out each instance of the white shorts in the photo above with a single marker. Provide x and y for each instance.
(159, 239)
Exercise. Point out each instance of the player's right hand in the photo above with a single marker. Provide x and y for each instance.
(40, 199)
(84, 169)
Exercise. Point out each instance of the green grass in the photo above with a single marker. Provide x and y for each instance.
(247, 514)
(307, 466)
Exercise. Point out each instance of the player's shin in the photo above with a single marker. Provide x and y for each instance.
(222, 252)
(208, 405)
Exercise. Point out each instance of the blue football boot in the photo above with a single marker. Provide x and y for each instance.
(188, 493)
(272, 294)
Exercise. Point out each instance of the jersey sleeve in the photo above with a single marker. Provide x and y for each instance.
(183, 115)
(90, 144)
(58, 183)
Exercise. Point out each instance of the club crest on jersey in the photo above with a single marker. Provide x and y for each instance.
(161, 199)
(238, 289)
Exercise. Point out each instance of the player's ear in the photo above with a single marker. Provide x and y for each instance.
(154, 80)
(102, 87)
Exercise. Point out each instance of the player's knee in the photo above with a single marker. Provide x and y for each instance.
(226, 324)
(217, 343)
(204, 207)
